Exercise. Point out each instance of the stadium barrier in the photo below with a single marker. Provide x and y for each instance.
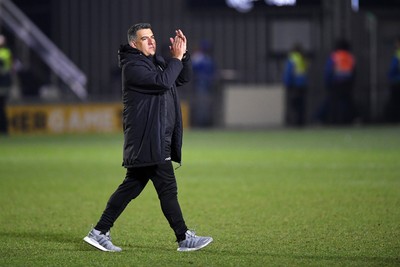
(70, 118)
(254, 106)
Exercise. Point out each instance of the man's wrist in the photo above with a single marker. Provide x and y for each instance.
(178, 58)
(184, 55)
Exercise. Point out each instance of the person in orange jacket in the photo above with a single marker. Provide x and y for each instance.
(340, 71)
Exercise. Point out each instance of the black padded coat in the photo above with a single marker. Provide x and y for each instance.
(145, 81)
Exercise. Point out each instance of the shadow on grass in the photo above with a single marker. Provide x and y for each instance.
(47, 238)
(212, 250)
(42, 237)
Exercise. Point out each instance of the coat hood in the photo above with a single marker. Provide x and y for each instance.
(126, 53)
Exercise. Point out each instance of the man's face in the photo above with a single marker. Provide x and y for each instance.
(145, 42)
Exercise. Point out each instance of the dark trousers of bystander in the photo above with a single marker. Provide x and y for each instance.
(295, 113)
(3, 115)
(392, 110)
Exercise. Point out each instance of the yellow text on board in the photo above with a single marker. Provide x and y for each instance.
(69, 118)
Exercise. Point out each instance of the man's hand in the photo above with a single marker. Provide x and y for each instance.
(178, 45)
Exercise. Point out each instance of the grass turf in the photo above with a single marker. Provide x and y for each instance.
(315, 197)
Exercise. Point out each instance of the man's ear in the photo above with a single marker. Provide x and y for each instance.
(133, 44)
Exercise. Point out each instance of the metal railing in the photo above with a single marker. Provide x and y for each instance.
(33, 37)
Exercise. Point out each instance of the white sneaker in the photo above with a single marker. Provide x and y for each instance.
(193, 242)
(101, 241)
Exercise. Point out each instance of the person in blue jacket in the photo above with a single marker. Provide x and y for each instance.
(393, 107)
(152, 124)
(204, 74)
(296, 82)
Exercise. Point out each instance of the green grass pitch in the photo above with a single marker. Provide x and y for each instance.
(311, 197)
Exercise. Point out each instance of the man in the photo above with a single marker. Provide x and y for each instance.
(339, 79)
(393, 107)
(152, 133)
(5, 82)
(295, 79)
(203, 85)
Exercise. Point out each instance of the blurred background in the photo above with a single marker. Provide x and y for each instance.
(65, 75)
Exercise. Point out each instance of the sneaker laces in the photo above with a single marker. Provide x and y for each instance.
(108, 235)
(190, 233)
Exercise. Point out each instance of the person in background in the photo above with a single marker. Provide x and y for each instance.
(203, 85)
(339, 79)
(152, 123)
(6, 63)
(393, 106)
(295, 80)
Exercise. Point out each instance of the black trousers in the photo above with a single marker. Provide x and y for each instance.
(3, 116)
(392, 109)
(342, 109)
(295, 106)
(164, 181)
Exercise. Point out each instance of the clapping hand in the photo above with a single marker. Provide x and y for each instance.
(178, 45)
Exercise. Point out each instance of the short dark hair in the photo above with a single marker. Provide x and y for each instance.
(134, 28)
